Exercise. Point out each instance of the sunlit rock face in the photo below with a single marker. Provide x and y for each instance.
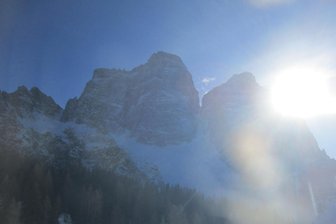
(156, 102)
(240, 93)
(230, 105)
(240, 106)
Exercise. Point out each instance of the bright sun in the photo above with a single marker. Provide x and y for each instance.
(302, 92)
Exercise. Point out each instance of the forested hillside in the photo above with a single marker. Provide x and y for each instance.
(35, 192)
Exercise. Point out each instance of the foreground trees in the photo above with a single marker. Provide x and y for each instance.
(36, 192)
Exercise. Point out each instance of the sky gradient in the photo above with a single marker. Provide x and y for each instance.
(56, 45)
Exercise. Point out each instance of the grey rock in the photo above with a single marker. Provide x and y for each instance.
(101, 103)
(161, 104)
(156, 102)
(25, 103)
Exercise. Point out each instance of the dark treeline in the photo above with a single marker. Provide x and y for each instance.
(33, 191)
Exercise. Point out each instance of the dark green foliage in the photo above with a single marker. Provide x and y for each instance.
(36, 192)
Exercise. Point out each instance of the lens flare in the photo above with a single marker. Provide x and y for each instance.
(302, 92)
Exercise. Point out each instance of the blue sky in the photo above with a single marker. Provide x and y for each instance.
(56, 45)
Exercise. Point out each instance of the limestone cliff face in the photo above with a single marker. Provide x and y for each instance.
(162, 104)
(156, 103)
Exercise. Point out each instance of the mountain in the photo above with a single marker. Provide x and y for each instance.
(23, 104)
(147, 124)
(30, 123)
(231, 105)
(156, 102)
(239, 109)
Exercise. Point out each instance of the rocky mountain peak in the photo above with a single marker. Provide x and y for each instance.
(242, 80)
(162, 58)
(241, 89)
(22, 90)
(25, 102)
(156, 102)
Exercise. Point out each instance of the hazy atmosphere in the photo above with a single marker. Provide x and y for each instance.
(56, 45)
(167, 111)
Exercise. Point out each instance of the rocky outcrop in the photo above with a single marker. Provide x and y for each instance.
(23, 104)
(26, 103)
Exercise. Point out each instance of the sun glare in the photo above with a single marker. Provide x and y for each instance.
(302, 92)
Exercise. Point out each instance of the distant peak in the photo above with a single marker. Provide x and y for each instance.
(22, 90)
(35, 90)
(244, 78)
(162, 56)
